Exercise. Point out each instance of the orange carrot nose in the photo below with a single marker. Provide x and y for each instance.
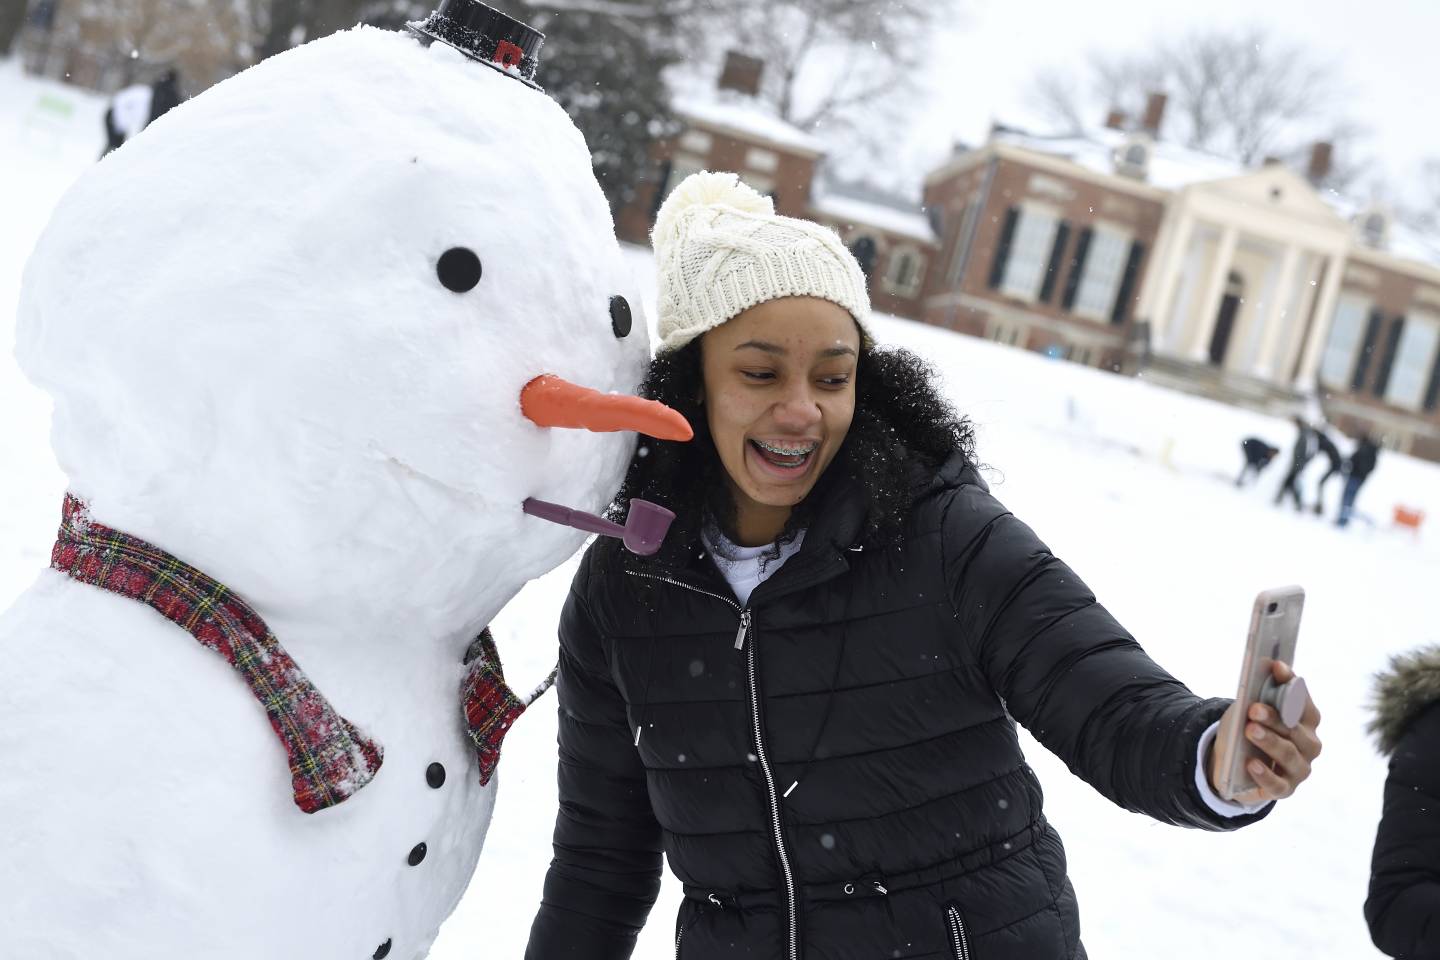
(549, 401)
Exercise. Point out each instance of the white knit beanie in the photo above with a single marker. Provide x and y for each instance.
(721, 249)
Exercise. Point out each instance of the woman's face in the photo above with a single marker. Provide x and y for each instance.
(779, 395)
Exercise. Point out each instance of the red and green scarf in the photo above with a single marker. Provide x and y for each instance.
(330, 758)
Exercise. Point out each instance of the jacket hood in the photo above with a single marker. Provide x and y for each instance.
(1403, 692)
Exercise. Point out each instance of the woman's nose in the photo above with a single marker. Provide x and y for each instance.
(797, 409)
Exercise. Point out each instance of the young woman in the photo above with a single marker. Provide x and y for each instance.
(808, 699)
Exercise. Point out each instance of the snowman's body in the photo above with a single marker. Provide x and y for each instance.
(256, 369)
(151, 815)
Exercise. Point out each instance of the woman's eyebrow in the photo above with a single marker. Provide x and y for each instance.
(762, 345)
(779, 351)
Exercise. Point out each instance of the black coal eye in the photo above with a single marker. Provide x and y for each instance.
(458, 269)
(620, 317)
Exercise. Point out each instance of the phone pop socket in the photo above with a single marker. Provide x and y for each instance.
(1287, 698)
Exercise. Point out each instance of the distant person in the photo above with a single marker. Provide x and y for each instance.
(164, 95)
(1258, 455)
(137, 106)
(1304, 452)
(1403, 907)
(1361, 465)
(1337, 466)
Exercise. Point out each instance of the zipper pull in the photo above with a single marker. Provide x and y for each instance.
(744, 629)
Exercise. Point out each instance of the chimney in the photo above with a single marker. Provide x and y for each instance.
(1154, 114)
(742, 73)
(1321, 155)
(1115, 119)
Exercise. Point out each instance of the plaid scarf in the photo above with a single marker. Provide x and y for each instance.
(330, 759)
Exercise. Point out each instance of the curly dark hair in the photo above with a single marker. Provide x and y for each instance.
(900, 417)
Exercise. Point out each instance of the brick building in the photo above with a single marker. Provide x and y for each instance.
(1121, 251)
(731, 130)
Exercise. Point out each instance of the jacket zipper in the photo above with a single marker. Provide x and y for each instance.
(957, 932)
(771, 793)
(679, 935)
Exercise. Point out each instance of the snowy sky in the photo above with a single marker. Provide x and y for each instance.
(1385, 55)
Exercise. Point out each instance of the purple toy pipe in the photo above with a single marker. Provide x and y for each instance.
(644, 531)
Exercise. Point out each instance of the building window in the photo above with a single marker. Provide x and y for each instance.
(1104, 267)
(760, 184)
(1338, 363)
(682, 165)
(696, 141)
(766, 161)
(1003, 332)
(1029, 252)
(1414, 358)
(907, 268)
(864, 250)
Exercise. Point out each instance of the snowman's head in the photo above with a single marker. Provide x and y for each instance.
(325, 284)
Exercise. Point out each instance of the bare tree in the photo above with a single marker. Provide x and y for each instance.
(206, 41)
(12, 18)
(1238, 93)
(1424, 214)
(830, 61)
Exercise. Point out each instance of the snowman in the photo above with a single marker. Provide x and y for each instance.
(329, 348)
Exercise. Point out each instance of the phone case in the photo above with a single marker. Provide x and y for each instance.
(1274, 632)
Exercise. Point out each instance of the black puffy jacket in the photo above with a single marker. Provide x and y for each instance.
(1403, 908)
(834, 772)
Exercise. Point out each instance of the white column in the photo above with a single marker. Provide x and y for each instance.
(1277, 317)
(1214, 292)
(1167, 275)
(1305, 380)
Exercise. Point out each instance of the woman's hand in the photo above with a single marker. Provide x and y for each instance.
(1291, 751)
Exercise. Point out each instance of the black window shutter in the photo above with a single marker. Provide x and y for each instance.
(1432, 393)
(1002, 247)
(1077, 268)
(1367, 350)
(1127, 283)
(1392, 345)
(1052, 269)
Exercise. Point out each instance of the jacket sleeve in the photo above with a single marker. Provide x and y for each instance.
(605, 874)
(1403, 908)
(1069, 672)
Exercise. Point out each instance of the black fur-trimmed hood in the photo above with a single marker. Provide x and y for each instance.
(1411, 684)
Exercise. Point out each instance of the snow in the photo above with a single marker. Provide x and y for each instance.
(735, 113)
(1172, 166)
(1130, 483)
(864, 213)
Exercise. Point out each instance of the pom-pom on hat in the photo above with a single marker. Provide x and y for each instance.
(721, 249)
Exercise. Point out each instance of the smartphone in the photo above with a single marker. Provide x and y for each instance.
(1274, 630)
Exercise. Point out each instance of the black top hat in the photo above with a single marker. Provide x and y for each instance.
(487, 35)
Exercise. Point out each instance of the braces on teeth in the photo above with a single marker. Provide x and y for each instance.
(778, 451)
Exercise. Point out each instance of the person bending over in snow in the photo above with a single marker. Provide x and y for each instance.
(1258, 455)
(807, 700)
(1403, 908)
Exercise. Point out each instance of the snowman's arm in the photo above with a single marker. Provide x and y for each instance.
(606, 872)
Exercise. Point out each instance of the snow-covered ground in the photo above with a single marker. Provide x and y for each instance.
(1129, 482)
